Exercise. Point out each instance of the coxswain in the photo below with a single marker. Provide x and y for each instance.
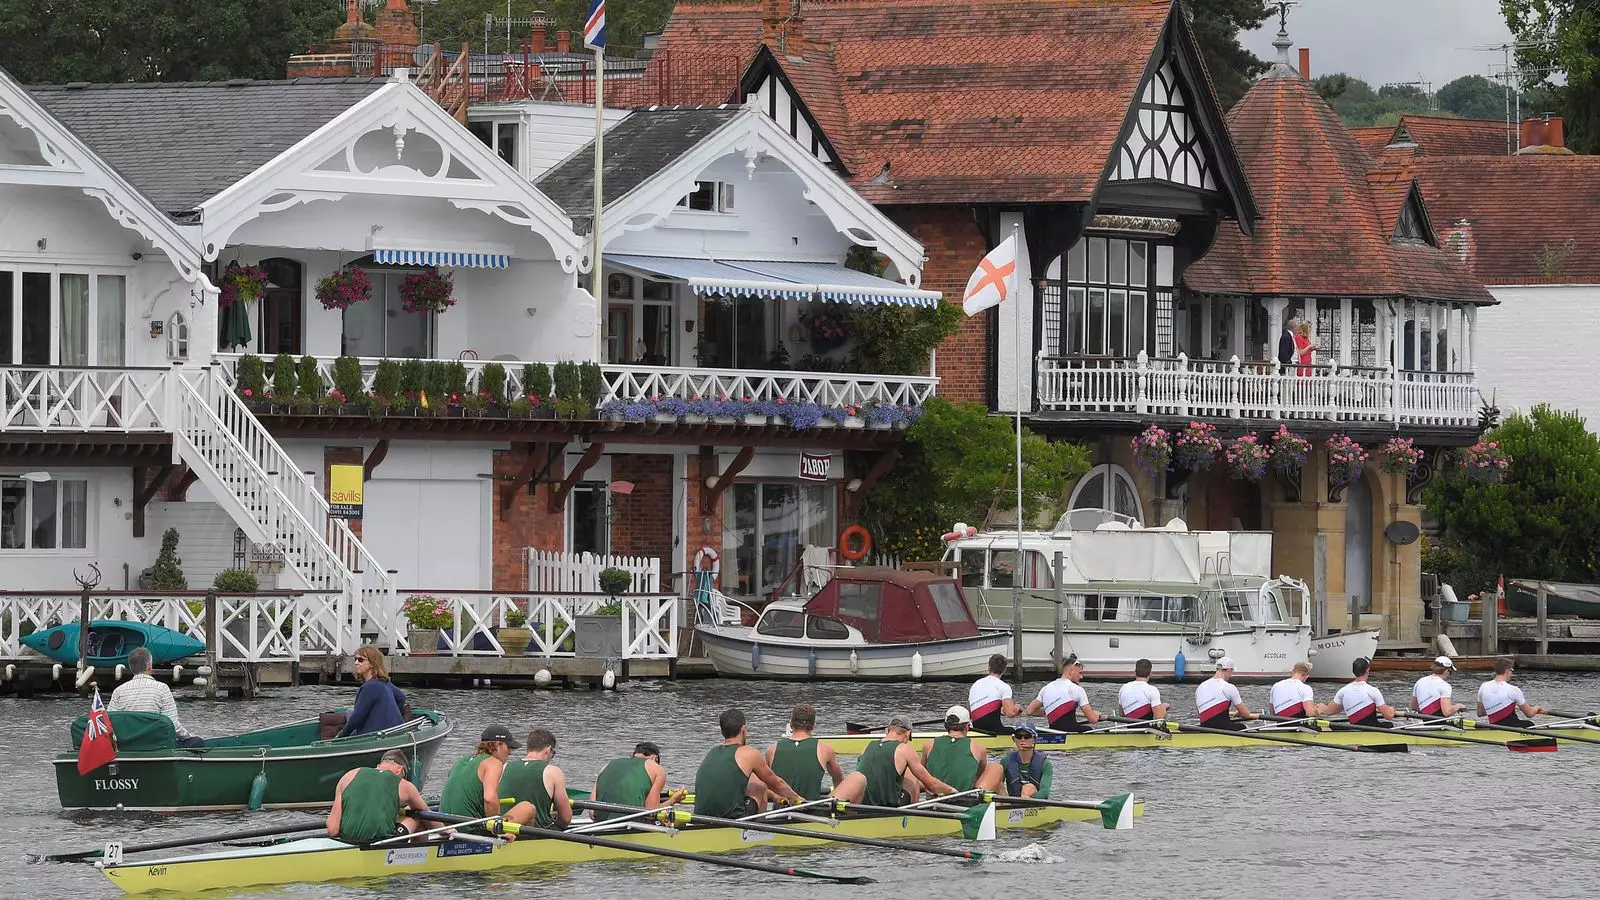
(637, 780)
(1431, 696)
(1139, 699)
(990, 698)
(1361, 703)
(889, 773)
(472, 789)
(1027, 771)
(956, 759)
(369, 804)
(801, 759)
(1061, 700)
(1218, 700)
(537, 788)
(1292, 697)
(1499, 700)
(734, 779)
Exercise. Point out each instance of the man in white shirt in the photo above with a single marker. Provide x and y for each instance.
(1061, 700)
(1431, 695)
(1292, 697)
(990, 698)
(1361, 703)
(1219, 701)
(1499, 700)
(1139, 699)
(142, 693)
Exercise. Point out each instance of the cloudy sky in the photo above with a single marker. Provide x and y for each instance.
(1383, 41)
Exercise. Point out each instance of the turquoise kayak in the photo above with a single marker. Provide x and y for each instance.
(111, 640)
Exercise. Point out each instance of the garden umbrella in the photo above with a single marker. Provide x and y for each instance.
(236, 325)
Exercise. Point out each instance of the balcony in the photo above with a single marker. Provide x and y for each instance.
(1181, 388)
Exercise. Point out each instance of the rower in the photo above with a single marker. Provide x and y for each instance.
(734, 779)
(1219, 701)
(1139, 699)
(472, 789)
(1361, 703)
(1292, 697)
(956, 759)
(889, 772)
(637, 780)
(990, 698)
(1431, 696)
(1027, 771)
(1062, 699)
(1499, 700)
(538, 789)
(369, 804)
(800, 759)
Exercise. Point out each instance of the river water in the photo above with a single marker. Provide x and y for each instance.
(1437, 823)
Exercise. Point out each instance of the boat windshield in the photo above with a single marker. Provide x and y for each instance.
(1090, 518)
(786, 623)
(1254, 606)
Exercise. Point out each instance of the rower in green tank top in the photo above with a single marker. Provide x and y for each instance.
(637, 780)
(472, 788)
(888, 772)
(801, 759)
(538, 787)
(734, 779)
(370, 804)
(956, 759)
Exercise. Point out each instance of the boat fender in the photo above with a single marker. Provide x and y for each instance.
(488, 683)
(119, 671)
(855, 663)
(916, 665)
(203, 670)
(177, 674)
(84, 676)
(542, 678)
(11, 672)
(609, 679)
(1179, 666)
(55, 672)
(199, 681)
(755, 657)
(258, 790)
(811, 663)
(1447, 647)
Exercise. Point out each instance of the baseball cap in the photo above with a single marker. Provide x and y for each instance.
(901, 722)
(959, 714)
(647, 748)
(1225, 663)
(1025, 729)
(499, 733)
(1444, 662)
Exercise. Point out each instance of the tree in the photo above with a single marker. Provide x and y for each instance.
(452, 23)
(1562, 37)
(1216, 25)
(1543, 519)
(167, 573)
(1473, 97)
(958, 463)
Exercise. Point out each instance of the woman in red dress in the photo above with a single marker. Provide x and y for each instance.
(1304, 348)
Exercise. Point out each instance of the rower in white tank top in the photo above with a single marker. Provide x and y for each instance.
(1431, 695)
(990, 698)
(1499, 700)
(1216, 698)
(1361, 703)
(1062, 700)
(1292, 697)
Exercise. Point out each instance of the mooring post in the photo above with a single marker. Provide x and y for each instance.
(1539, 611)
(212, 627)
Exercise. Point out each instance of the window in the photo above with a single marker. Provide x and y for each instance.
(1106, 297)
(709, 196)
(947, 600)
(860, 599)
(767, 527)
(177, 337)
(506, 143)
(1108, 487)
(826, 629)
(972, 568)
(44, 515)
(381, 326)
(786, 623)
(61, 318)
(639, 320)
(1036, 573)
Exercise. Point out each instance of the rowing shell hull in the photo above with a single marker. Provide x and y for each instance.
(324, 860)
(854, 744)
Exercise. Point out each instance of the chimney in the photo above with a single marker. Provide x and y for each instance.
(563, 41)
(1532, 133)
(541, 27)
(782, 26)
(1554, 132)
(1305, 63)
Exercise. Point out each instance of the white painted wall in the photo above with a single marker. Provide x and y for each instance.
(550, 132)
(1537, 346)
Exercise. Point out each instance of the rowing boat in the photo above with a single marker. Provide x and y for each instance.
(1136, 738)
(324, 859)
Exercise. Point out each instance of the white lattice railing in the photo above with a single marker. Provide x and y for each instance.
(1250, 390)
(649, 622)
(51, 399)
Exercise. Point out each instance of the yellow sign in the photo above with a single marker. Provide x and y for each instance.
(344, 491)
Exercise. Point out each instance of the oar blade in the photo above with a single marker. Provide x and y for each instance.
(978, 823)
(836, 879)
(1116, 813)
(1381, 748)
(1532, 745)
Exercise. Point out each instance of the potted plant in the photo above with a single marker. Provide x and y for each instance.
(312, 388)
(167, 573)
(1484, 462)
(348, 381)
(1196, 447)
(752, 413)
(515, 635)
(805, 416)
(1246, 458)
(1399, 456)
(426, 616)
(427, 291)
(236, 581)
(250, 380)
(699, 411)
(614, 581)
(725, 411)
(344, 288)
(669, 410)
(1289, 450)
(1345, 459)
(240, 284)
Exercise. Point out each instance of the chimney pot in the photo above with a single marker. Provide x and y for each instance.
(1554, 131)
(1533, 133)
(563, 41)
(541, 27)
(1305, 63)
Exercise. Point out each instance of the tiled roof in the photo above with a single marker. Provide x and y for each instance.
(1449, 136)
(1326, 220)
(1529, 219)
(953, 101)
(1372, 138)
(638, 147)
(181, 144)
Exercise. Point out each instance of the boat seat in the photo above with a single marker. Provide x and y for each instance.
(134, 731)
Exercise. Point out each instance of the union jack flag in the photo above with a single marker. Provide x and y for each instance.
(594, 27)
(99, 744)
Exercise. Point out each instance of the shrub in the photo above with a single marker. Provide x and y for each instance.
(284, 383)
(167, 574)
(566, 385)
(591, 384)
(251, 377)
(413, 377)
(456, 378)
(614, 581)
(438, 382)
(312, 390)
(536, 380)
(493, 383)
(347, 378)
(237, 581)
(516, 618)
(386, 381)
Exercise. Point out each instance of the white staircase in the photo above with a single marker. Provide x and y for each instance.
(262, 488)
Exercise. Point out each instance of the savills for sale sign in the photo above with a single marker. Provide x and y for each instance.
(344, 491)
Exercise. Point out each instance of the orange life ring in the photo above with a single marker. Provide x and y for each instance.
(848, 537)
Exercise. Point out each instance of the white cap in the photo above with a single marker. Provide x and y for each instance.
(1444, 662)
(1225, 663)
(959, 713)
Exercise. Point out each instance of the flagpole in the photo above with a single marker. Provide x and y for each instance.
(597, 281)
(1016, 576)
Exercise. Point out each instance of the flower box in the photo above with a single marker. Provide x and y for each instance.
(725, 420)
(756, 419)
(854, 422)
(695, 419)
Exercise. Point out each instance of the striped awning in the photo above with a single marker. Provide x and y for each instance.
(838, 284)
(711, 277)
(449, 258)
(778, 280)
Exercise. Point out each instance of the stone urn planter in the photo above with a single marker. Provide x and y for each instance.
(423, 641)
(514, 640)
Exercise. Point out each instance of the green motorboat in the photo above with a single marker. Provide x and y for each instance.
(298, 769)
(1561, 599)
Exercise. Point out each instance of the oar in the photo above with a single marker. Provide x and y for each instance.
(1524, 745)
(1539, 732)
(685, 817)
(1586, 718)
(608, 843)
(1176, 727)
(1543, 745)
(1116, 813)
(193, 841)
(858, 728)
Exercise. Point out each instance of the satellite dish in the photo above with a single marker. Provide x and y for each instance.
(1402, 533)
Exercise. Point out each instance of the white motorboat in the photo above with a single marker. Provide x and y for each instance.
(864, 624)
(1332, 654)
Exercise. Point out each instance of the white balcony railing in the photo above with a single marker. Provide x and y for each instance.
(79, 399)
(1253, 390)
(649, 622)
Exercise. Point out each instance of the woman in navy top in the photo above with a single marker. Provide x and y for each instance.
(378, 702)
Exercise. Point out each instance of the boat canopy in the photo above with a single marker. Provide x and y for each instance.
(1178, 556)
(895, 607)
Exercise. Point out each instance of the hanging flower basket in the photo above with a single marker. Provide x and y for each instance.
(1246, 458)
(1345, 460)
(427, 291)
(344, 288)
(241, 284)
(1196, 447)
(1399, 456)
(1152, 450)
(1485, 462)
(1289, 450)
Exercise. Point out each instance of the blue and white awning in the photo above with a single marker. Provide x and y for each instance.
(775, 280)
(450, 258)
(837, 284)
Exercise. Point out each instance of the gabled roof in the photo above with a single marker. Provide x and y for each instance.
(636, 149)
(1450, 136)
(1518, 219)
(182, 143)
(1372, 138)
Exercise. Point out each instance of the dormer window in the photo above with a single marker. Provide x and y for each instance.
(709, 196)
